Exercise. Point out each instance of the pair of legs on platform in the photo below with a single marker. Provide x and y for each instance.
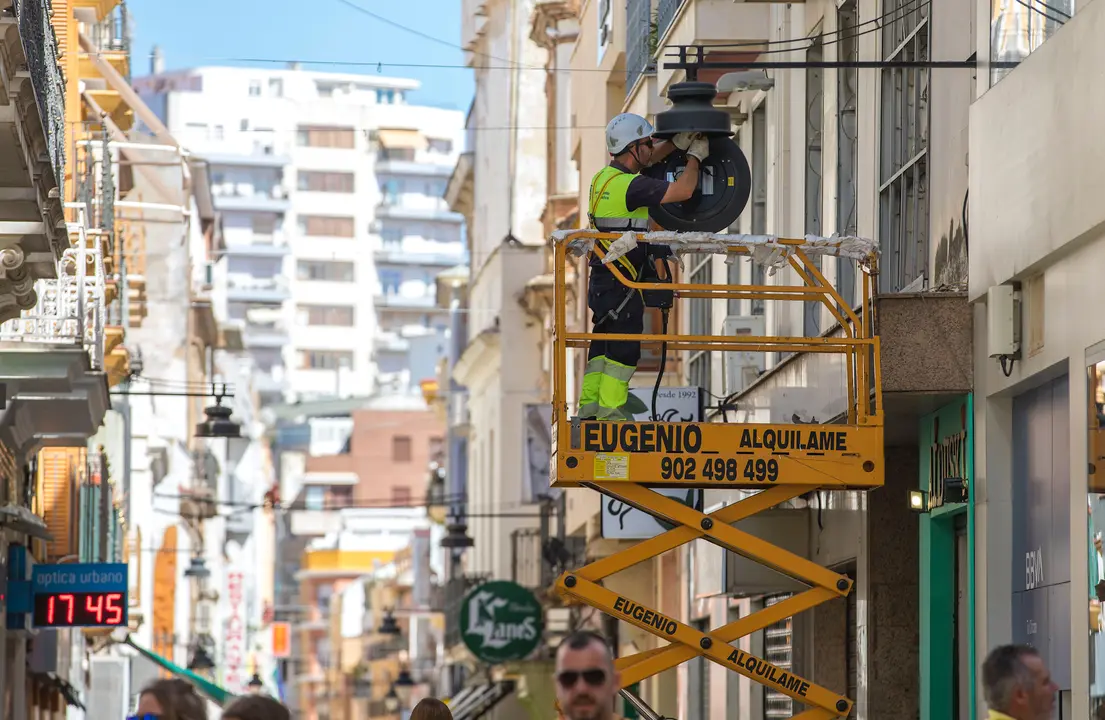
(604, 394)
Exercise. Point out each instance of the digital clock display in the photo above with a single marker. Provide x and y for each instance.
(80, 609)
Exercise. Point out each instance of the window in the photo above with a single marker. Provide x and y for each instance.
(255, 88)
(815, 110)
(341, 496)
(325, 226)
(325, 359)
(759, 192)
(903, 172)
(333, 315)
(331, 137)
(847, 134)
(392, 237)
(401, 448)
(276, 87)
(390, 280)
(385, 97)
(316, 498)
(325, 270)
(437, 448)
(700, 317)
(1019, 28)
(263, 224)
(439, 145)
(778, 649)
(400, 495)
(323, 594)
(244, 124)
(403, 154)
(334, 182)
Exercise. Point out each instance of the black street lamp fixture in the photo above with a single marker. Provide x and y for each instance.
(218, 423)
(255, 685)
(456, 536)
(404, 678)
(201, 661)
(391, 701)
(197, 569)
(388, 626)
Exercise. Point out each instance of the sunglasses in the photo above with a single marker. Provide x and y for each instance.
(646, 143)
(569, 678)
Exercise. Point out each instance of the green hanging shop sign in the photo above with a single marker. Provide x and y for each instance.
(501, 621)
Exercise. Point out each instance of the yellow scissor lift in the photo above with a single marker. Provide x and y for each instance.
(623, 460)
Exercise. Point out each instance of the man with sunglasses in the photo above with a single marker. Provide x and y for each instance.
(586, 682)
(620, 198)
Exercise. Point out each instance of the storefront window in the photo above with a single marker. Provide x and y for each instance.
(1096, 508)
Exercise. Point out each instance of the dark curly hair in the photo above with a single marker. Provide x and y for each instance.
(256, 707)
(431, 709)
(177, 698)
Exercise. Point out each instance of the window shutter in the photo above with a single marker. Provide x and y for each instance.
(57, 475)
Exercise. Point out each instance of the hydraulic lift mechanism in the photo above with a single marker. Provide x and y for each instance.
(625, 460)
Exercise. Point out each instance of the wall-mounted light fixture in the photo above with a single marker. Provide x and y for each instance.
(918, 501)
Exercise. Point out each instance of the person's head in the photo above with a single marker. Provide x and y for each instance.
(431, 709)
(629, 140)
(256, 707)
(1016, 682)
(586, 681)
(171, 699)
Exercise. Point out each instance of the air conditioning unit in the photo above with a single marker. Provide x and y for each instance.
(743, 367)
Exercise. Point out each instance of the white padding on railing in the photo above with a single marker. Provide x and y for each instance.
(765, 249)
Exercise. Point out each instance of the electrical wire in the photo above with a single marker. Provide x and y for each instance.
(836, 35)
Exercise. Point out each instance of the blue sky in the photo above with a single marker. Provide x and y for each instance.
(209, 32)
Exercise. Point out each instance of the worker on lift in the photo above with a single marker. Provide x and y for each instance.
(619, 202)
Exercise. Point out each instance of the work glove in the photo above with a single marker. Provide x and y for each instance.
(620, 247)
(683, 140)
(699, 148)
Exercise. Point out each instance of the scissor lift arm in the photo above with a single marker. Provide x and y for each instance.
(624, 460)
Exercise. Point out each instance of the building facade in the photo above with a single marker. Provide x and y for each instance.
(1037, 362)
(308, 169)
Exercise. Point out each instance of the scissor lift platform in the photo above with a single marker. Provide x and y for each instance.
(625, 460)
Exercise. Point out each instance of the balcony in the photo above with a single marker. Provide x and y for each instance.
(395, 301)
(260, 245)
(428, 168)
(640, 41)
(250, 152)
(270, 334)
(110, 39)
(392, 253)
(416, 207)
(709, 22)
(314, 523)
(248, 288)
(274, 200)
(32, 150)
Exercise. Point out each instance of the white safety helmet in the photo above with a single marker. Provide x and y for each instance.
(624, 130)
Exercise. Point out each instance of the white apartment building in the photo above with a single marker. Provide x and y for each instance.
(331, 189)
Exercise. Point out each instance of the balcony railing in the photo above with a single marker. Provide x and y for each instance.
(665, 13)
(40, 45)
(70, 309)
(640, 41)
(528, 567)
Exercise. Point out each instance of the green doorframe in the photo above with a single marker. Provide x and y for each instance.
(937, 567)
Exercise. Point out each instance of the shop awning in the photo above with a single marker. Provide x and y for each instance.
(395, 138)
(208, 689)
(21, 520)
(55, 682)
(476, 701)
